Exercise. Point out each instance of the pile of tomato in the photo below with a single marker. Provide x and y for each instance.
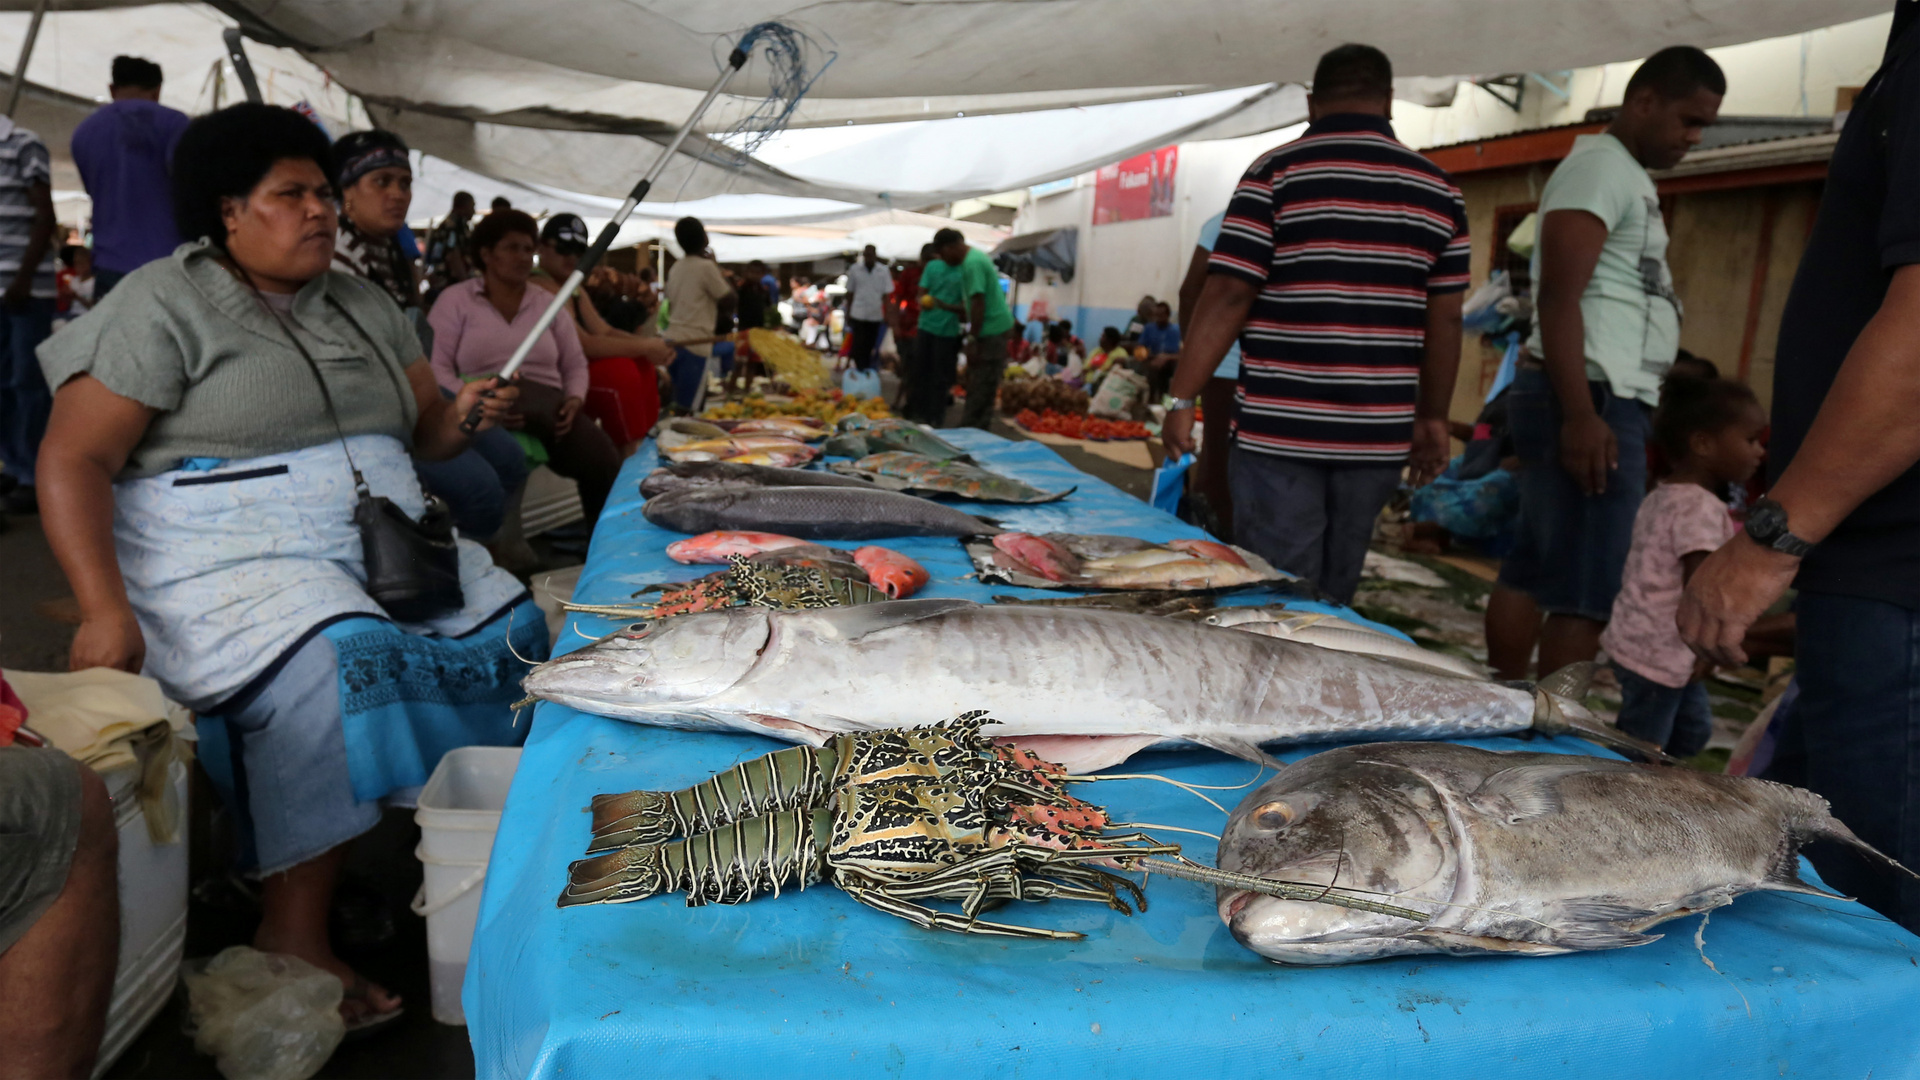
(1075, 426)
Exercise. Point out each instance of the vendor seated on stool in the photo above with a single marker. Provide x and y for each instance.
(477, 325)
(622, 368)
(199, 491)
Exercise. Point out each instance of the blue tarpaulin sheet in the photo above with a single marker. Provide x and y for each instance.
(814, 983)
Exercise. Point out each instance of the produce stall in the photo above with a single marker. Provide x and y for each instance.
(1788, 984)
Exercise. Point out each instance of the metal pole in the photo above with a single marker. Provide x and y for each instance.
(605, 240)
(26, 54)
(237, 52)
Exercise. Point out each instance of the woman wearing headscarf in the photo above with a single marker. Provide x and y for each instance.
(222, 423)
(375, 179)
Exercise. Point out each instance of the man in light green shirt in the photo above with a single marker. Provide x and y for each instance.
(937, 348)
(989, 320)
(1607, 326)
(1628, 310)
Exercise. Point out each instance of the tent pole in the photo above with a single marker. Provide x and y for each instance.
(26, 54)
(237, 53)
(735, 61)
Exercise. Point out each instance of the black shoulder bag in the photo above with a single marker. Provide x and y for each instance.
(413, 567)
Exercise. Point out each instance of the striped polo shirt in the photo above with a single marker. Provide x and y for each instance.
(23, 162)
(1346, 232)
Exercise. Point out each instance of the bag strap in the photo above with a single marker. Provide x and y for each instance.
(360, 487)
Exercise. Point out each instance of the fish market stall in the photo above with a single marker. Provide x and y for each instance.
(1786, 983)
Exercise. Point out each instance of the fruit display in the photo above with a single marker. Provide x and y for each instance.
(789, 361)
(1041, 395)
(826, 406)
(1076, 426)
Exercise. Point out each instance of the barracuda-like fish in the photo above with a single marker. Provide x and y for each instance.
(1333, 632)
(1081, 686)
(810, 513)
(1512, 854)
(688, 474)
(859, 436)
(901, 471)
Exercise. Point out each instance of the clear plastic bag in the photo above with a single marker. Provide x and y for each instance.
(264, 1016)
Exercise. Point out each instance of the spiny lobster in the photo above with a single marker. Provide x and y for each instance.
(892, 818)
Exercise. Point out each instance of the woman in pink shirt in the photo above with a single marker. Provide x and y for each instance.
(479, 322)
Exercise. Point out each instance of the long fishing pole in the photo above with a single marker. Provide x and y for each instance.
(735, 61)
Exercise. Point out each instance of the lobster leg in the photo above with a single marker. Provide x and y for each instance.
(927, 918)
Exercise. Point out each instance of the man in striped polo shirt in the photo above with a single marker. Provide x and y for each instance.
(1342, 258)
(26, 309)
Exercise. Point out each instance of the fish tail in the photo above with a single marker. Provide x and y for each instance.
(1557, 715)
(1828, 827)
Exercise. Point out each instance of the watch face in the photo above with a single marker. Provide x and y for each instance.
(1766, 522)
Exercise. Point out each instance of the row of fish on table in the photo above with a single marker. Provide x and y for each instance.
(941, 741)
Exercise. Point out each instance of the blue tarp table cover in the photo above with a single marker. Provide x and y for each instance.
(815, 984)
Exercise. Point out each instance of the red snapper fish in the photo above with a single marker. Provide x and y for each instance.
(715, 547)
(899, 575)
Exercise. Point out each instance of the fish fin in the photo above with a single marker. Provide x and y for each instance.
(857, 622)
(1785, 877)
(1082, 754)
(1240, 748)
(1829, 827)
(1525, 791)
(1455, 942)
(1601, 924)
(1572, 681)
(1056, 497)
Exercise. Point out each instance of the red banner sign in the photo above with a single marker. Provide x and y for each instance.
(1139, 187)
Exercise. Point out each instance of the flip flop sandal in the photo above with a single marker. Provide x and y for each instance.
(362, 991)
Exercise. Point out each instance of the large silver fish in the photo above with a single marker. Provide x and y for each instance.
(1080, 686)
(1515, 854)
(694, 474)
(810, 513)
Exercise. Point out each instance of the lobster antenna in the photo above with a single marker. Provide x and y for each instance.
(1317, 894)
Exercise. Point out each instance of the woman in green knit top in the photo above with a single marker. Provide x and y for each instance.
(198, 488)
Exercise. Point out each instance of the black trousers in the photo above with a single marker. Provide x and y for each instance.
(584, 454)
(866, 338)
(933, 375)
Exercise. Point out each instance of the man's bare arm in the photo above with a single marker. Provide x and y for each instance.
(1861, 440)
(1570, 243)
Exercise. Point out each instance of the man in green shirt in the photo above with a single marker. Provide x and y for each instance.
(937, 355)
(984, 308)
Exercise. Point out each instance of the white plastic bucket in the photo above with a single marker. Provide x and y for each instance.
(458, 814)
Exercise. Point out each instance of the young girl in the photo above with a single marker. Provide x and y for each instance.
(1709, 429)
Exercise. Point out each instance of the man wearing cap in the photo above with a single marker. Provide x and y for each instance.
(123, 151)
(622, 369)
(868, 283)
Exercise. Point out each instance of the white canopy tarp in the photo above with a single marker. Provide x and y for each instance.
(551, 94)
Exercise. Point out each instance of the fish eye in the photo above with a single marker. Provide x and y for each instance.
(1274, 815)
(638, 628)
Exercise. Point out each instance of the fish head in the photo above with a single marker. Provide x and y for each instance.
(1374, 828)
(659, 667)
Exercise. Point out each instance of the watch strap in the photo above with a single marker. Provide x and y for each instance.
(1789, 544)
(1180, 403)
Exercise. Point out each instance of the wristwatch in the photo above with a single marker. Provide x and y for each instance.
(1180, 403)
(1767, 526)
